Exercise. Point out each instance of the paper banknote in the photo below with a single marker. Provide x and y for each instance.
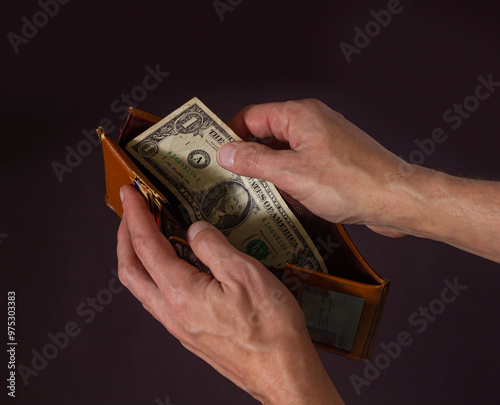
(181, 151)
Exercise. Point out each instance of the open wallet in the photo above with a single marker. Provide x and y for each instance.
(342, 307)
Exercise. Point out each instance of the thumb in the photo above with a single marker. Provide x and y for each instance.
(259, 161)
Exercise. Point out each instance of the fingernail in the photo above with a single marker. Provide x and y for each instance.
(195, 228)
(122, 194)
(226, 155)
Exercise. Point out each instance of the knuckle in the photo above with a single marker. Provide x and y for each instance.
(238, 269)
(294, 107)
(315, 106)
(311, 102)
(180, 304)
(210, 245)
(251, 156)
(176, 300)
(246, 275)
(224, 257)
(124, 272)
(140, 242)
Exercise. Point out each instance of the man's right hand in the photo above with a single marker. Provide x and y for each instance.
(332, 167)
(344, 176)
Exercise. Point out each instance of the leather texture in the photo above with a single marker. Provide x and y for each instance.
(349, 272)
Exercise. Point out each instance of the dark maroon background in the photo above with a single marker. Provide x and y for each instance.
(61, 241)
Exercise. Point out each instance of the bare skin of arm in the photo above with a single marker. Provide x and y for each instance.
(343, 175)
(241, 319)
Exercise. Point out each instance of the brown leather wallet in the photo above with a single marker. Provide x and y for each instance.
(342, 309)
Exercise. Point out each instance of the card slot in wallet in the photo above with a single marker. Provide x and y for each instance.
(342, 309)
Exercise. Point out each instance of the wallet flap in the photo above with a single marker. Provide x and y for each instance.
(119, 171)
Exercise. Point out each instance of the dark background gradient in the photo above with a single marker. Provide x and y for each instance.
(61, 242)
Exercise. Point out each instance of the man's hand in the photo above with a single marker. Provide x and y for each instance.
(332, 167)
(343, 175)
(241, 320)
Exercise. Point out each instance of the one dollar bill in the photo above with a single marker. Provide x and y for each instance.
(181, 151)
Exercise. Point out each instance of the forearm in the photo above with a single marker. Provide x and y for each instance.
(461, 212)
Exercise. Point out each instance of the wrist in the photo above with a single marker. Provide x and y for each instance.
(460, 212)
(302, 380)
(408, 205)
(428, 206)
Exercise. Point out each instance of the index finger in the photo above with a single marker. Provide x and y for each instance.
(289, 122)
(262, 121)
